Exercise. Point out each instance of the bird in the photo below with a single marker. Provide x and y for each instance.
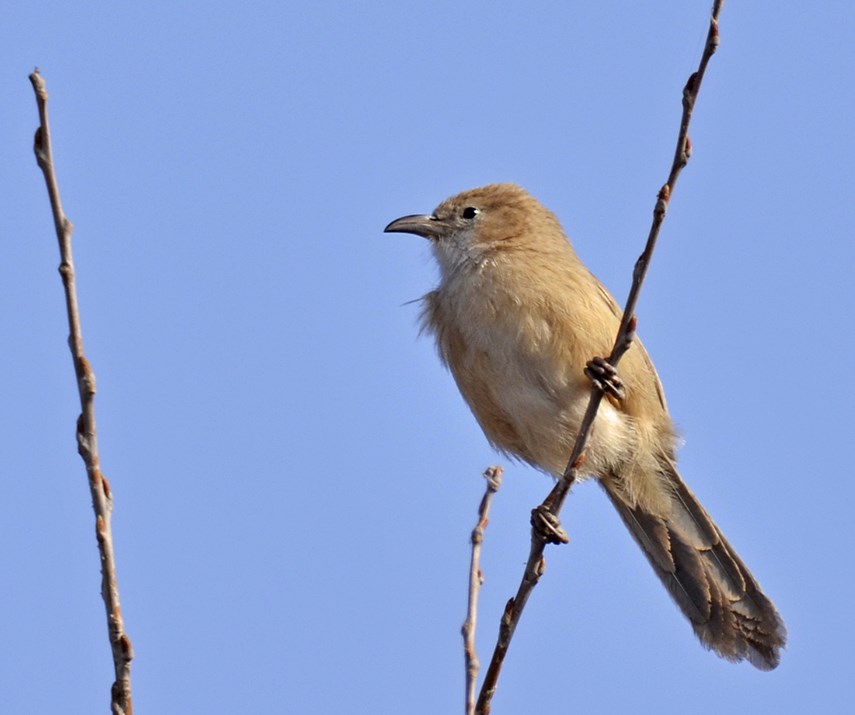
(516, 317)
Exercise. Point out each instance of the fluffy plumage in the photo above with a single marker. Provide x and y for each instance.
(516, 316)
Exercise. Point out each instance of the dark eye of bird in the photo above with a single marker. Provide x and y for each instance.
(470, 212)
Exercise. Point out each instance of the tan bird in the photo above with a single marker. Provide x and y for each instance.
(516, 317)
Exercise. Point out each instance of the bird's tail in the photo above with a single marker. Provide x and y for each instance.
(705, 576)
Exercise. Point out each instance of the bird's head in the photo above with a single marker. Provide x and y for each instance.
(477, 224)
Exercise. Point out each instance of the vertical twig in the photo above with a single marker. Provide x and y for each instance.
(87, 438)
(546, 527)
(493, 475)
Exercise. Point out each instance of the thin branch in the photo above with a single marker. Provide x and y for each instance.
(546, 527)
(87, 437)
(493, 475)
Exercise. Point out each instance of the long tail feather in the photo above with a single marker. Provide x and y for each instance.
(709, 582)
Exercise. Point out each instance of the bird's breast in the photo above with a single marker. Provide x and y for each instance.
(515, 365)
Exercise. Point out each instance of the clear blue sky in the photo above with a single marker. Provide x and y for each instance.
(295, 475)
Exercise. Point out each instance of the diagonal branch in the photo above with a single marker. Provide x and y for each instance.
(87, 437)
(545, 525)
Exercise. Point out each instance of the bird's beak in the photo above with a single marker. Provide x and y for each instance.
(426, 226)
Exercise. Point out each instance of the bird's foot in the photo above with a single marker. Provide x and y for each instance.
(605, 376)
(547, 526)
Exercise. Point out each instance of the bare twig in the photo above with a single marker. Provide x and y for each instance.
(493, 475)
(546, 527)
(87, 438)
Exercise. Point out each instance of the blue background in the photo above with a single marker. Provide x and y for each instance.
(295, 474)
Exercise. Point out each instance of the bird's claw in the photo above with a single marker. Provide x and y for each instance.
(547, 525)
(605, 376)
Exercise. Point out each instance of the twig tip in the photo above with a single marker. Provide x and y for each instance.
(493, 475)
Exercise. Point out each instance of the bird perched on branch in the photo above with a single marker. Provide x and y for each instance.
(517, 317)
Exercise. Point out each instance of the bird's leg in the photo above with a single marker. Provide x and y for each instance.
(604, 375)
